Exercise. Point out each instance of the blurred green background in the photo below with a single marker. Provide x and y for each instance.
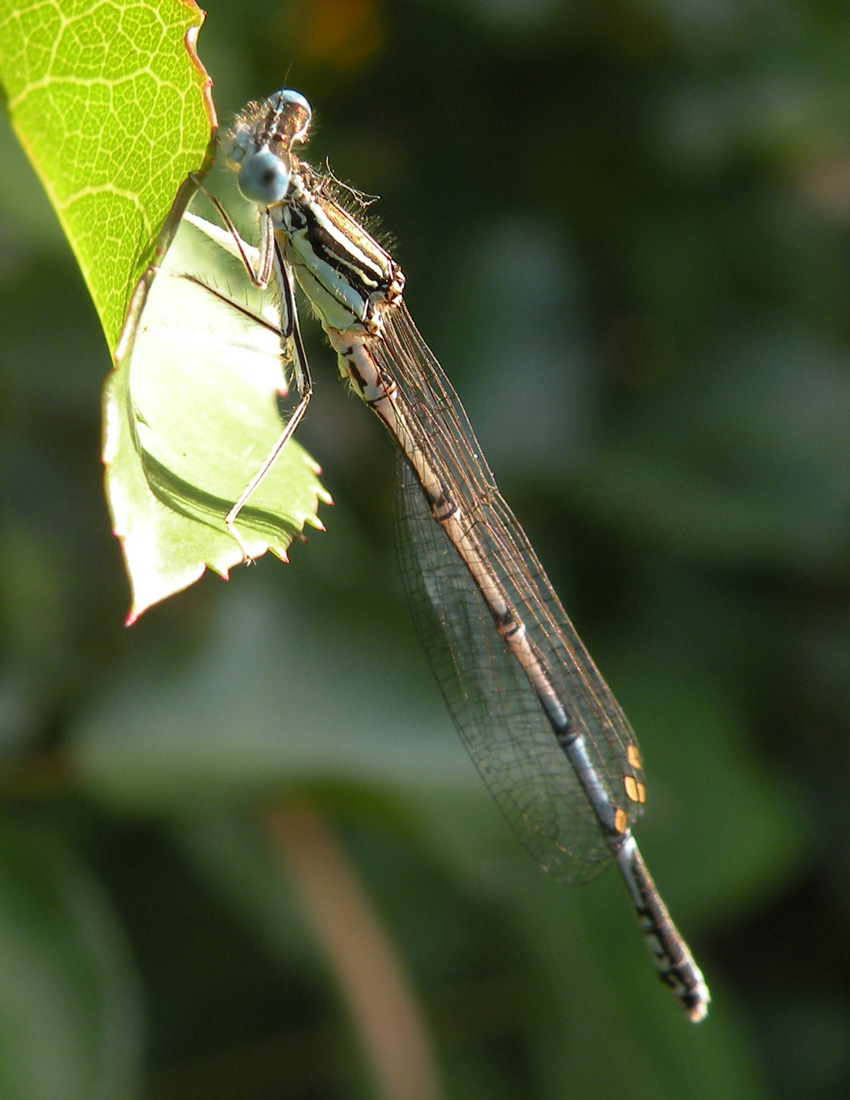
(242, 852)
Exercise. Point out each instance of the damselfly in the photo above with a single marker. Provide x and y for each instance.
(543, 728)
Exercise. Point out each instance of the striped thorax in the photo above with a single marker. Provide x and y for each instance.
(349, 278)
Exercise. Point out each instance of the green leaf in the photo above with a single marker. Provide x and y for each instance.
(111, 104)
(113, 108)
(191, 412)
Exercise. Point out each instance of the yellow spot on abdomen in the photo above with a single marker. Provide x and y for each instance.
(634, 789)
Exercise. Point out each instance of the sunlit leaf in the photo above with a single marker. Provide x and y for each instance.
(191, 411)
(112, 106)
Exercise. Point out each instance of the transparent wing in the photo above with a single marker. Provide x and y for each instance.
(493, 703)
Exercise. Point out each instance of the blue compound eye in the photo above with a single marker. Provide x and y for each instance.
(264, 177)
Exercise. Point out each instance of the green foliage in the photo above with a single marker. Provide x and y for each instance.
(113, 118)
(67, 987)
(190, 413)
(112, 105)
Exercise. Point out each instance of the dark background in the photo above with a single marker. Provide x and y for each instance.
(624, 227)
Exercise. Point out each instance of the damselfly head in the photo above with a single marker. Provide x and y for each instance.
(259, 144)
(292, 114)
